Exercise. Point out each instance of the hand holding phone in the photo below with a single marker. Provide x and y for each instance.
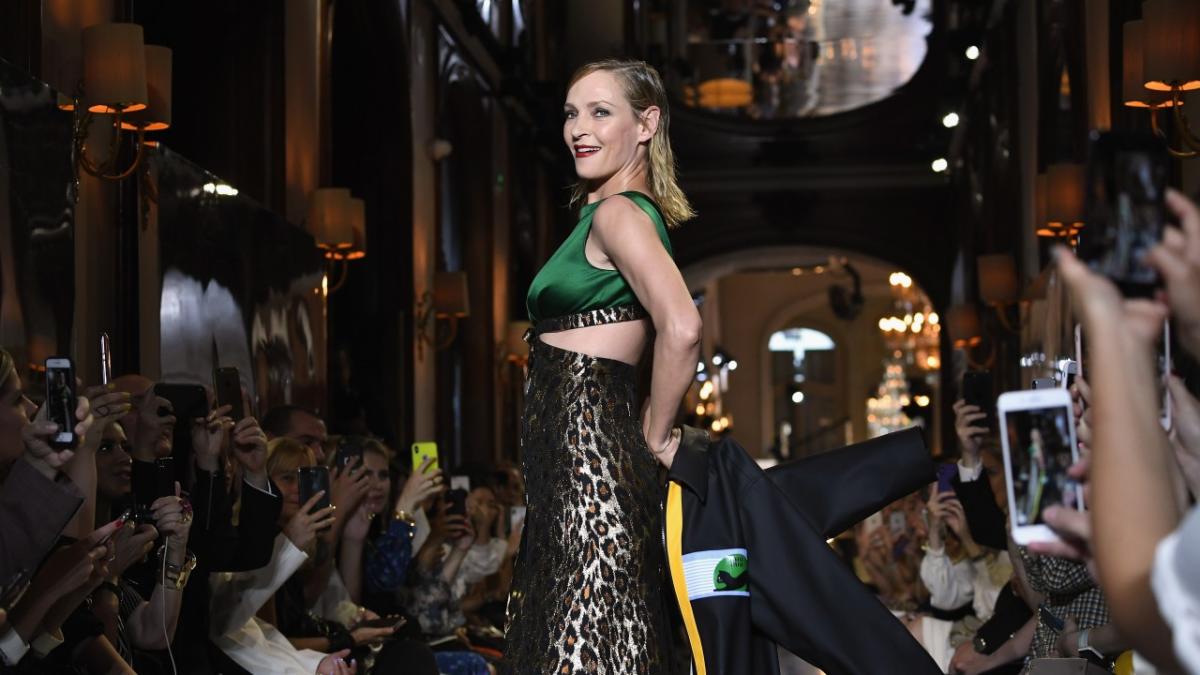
(227, 383)
(349, 452)
(1037, 433)
(314, 479)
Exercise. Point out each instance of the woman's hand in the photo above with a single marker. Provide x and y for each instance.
(365, 635)
(302, 529)
(336, 664)
(208, 437)
(348, 487)
(250, 450)
(967, 419)
(39, 435)
(173, 517)
(132, 544)
(956, 517)
(419, 487)
(1177, 259)
(108, 406)
(664, 449)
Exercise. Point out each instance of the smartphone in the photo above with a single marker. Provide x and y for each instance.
(1050, 619)
(896, 523)
(105, 359)
(188, 401)
(1037, 434)
(946, 474)
(349, 451)
(516, 517)
(977, 391)
(457, 500)
(420, 451)
(227, 384)
(313, 479)
(1044, 383)
(874, 521)
(1068, 369)
(1164, 365)
(164, 477)
(60, 397)
(1126, 209)
(11, 592)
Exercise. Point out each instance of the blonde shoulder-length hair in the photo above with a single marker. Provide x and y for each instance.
(644, 89)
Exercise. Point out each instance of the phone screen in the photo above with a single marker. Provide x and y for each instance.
(1039, 454)
(60, 399)
(1126, 189)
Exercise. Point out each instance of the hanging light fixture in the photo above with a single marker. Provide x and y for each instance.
(124, 78)
(1171, 61)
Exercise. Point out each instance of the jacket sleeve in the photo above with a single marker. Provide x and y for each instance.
(33, 511)
(805, 598)
(257, 527)
(837, 489)
(942, 578)
(221, 546)
(237, 596)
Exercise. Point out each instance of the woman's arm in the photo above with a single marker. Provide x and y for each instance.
(628, 237)
(1016, 647)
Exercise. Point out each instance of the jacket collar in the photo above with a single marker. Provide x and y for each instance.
(690, 466)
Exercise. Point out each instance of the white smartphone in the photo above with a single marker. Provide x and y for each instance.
(1079, 349)
(60, 399)
(874, 521)
(1037, 433)
(516, 516)
(1163, 356)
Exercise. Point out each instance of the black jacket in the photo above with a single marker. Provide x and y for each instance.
(751, 569)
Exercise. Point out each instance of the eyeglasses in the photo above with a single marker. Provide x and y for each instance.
(109, 446)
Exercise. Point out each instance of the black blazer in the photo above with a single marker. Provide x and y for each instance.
(751, 569)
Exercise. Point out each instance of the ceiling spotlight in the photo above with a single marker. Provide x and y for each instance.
(798, 397)
(972, 52)
(950, 121)
(732, 364)
(718, 359)
(940, 165)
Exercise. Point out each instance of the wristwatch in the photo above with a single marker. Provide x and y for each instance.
(1086, 650)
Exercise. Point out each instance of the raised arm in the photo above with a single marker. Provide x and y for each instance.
(629, 238)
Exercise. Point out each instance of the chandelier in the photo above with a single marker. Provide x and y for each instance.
(913, 329)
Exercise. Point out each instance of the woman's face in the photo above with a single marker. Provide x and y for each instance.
(600, 128)
(15, 412)
(379, 482)
(114, 465)
(288, 483)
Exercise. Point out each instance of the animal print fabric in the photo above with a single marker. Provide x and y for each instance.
(589, 590)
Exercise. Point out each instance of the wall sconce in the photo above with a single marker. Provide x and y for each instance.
(439, 149)
(966, 331)
(125, 78)
(337, 221)
(722, 92)
(1171, 61)
(449, 300)
(998, 284)
(513, 350)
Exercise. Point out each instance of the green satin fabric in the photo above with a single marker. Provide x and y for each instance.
(569, 284)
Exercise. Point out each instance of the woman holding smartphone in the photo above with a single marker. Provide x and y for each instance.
(588, 593)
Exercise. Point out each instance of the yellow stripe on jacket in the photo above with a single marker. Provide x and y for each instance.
(674, 517)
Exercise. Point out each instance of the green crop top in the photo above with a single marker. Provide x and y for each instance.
(569, 284)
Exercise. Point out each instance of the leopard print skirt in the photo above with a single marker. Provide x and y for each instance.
(589, 590)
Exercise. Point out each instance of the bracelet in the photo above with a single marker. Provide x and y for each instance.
(177, 575)
(676, 432)
(401, 514)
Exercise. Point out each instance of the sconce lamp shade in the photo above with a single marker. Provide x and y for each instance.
(1065, 195)
(1134, 93)
(962, 321)
(998, 283)
(358, 225)
(515, 345)
(451, 297)
(327, 219)
(1171, 44)
(157, 114)
(114, 68)
(726, 92)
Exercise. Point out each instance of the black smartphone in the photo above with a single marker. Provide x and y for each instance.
(945, 477)
(977, 391)
(312, 480)
(349, 451)
(1126, 208)
(1050, 619)
(227, 383)
(188, 401)
(457, 500)
(12, 591)
(164, 477)
(60, 399)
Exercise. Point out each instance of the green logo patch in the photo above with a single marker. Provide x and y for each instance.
(730, 573)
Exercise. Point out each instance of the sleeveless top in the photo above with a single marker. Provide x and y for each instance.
(569, 284)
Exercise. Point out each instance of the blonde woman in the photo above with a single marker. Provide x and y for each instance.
(588, 592)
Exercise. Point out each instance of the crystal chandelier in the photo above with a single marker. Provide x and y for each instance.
(913, 328)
